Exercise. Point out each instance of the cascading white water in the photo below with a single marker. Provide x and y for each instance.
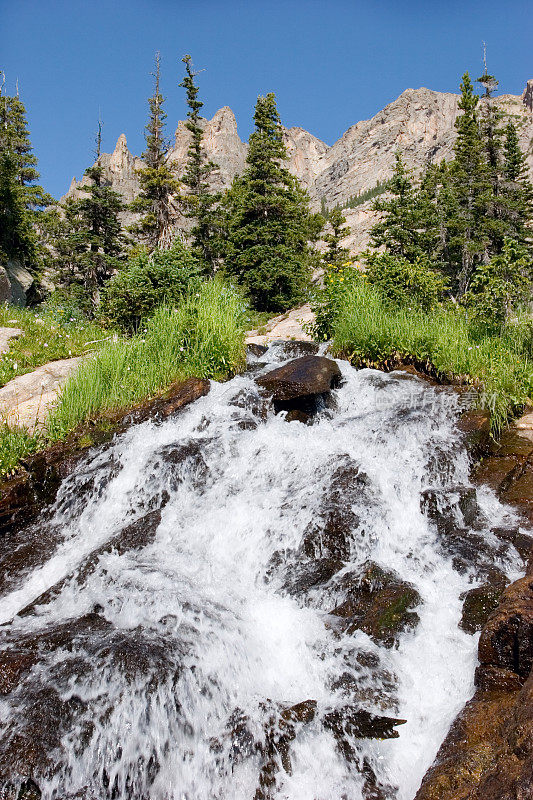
(198, 638)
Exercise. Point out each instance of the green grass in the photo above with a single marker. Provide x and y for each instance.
(370, 333)
(50, 333)
(15, 443)
(204, 337)
(258, 319)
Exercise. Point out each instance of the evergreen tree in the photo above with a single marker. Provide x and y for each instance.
(159, 188)
(515, 164)
(472, 189)
(269, 225)
(100, 227)
(87, 238)
(199, 202)
(517, 189)
(335, 255)
(21, 198)
(398, 230)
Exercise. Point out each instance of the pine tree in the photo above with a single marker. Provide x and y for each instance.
(335, 255)
(199, 202)
(269, 225)
(100, 225)
(159, 188)
(470, 178)
(515, 166)
(398, 230)
(86, 237)
(21, 197)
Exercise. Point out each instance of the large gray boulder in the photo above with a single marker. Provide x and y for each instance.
(23, 290)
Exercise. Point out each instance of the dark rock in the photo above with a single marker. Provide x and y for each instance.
(5, 286)
(488, 752)
(359, 724)
(507, 639)
(280, 731)
(522, 543)
(520, 492)
(187, 460)
(475, 424)
(479, 603)
(295, 415)
(336, 522)
(512, 443)
(454, 513)
(307, 575)
(309, 375)
(256, 350)
(496, 472)
(251, 401)
(496, 679)
(450, 508)
(378, 603)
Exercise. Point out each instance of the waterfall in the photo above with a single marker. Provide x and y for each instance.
(173, 609)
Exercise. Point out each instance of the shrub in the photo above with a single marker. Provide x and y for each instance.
(404, 283)
(148, 281)
(499, 288)
(327, 301)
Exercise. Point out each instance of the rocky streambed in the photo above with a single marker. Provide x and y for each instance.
(269, 588)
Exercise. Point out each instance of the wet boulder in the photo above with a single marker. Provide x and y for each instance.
(182, 461)
(346, 497)
(506, 642)
(303, 384)
(303, 576)
(349, 722)
(522, 542)
(256, 350)
(480, 602)
(378, 603)
(452, 508)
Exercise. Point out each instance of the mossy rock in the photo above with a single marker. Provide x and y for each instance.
(379, 603)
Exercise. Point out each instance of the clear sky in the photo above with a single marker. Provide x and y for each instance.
(331, 63)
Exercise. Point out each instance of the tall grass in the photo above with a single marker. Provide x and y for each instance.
(370, 333)
(204, 337)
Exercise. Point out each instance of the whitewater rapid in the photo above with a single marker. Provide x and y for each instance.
(208, 627)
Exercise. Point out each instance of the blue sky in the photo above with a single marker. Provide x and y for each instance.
(330, 63)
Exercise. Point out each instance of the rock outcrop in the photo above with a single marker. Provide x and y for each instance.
(488, 752)
(419, 123)
(17, 285)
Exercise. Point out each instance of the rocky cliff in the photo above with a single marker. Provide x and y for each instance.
(419, 123)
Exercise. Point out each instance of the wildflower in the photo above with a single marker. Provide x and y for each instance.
(15, 366)
(45, 344)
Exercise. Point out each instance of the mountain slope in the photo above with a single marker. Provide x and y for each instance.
(419, 123)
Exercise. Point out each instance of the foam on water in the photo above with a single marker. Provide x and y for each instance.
(206, 602)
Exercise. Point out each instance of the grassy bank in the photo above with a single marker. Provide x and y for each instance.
(371, 333)
(204, 337)
(51, 333)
